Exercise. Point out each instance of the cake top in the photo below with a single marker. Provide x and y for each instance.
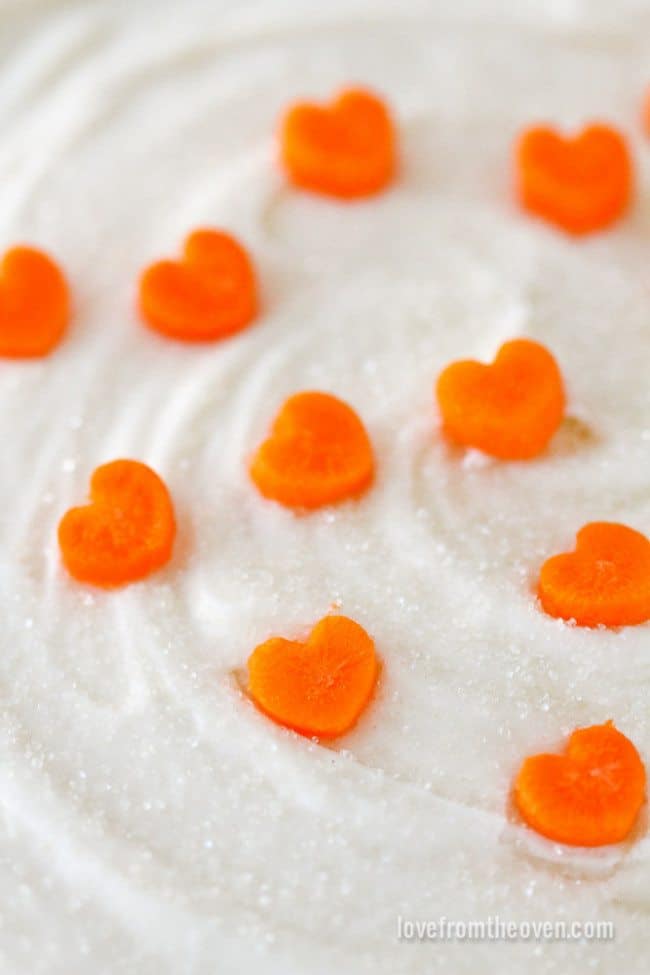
(151, 805)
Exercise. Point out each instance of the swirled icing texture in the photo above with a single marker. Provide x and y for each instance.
(153, 821)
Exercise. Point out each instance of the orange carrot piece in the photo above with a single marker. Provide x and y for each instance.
(588, 796)
(318, 688)
(580, 184)
(125, 533)
(318, 453)
(34, 304)
(209, 294)
(345, 149)
(605, 581)
(509, 409)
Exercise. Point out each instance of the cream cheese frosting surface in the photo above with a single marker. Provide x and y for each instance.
(152, 821)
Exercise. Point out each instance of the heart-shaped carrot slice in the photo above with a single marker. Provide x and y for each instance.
(207, 295)
(34, 304)
(345, 149)
(125, 533)
(606, 581)
(509, 409)
(318, 453)
(590, 795)
(320, 687)
(581, 184)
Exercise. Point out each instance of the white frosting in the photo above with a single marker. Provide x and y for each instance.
(152, 819)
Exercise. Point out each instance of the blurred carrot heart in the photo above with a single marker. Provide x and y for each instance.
(346, 149)
(317, 453)
(581, 184)
(509, 409)
(208, 294)
(34, 303)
